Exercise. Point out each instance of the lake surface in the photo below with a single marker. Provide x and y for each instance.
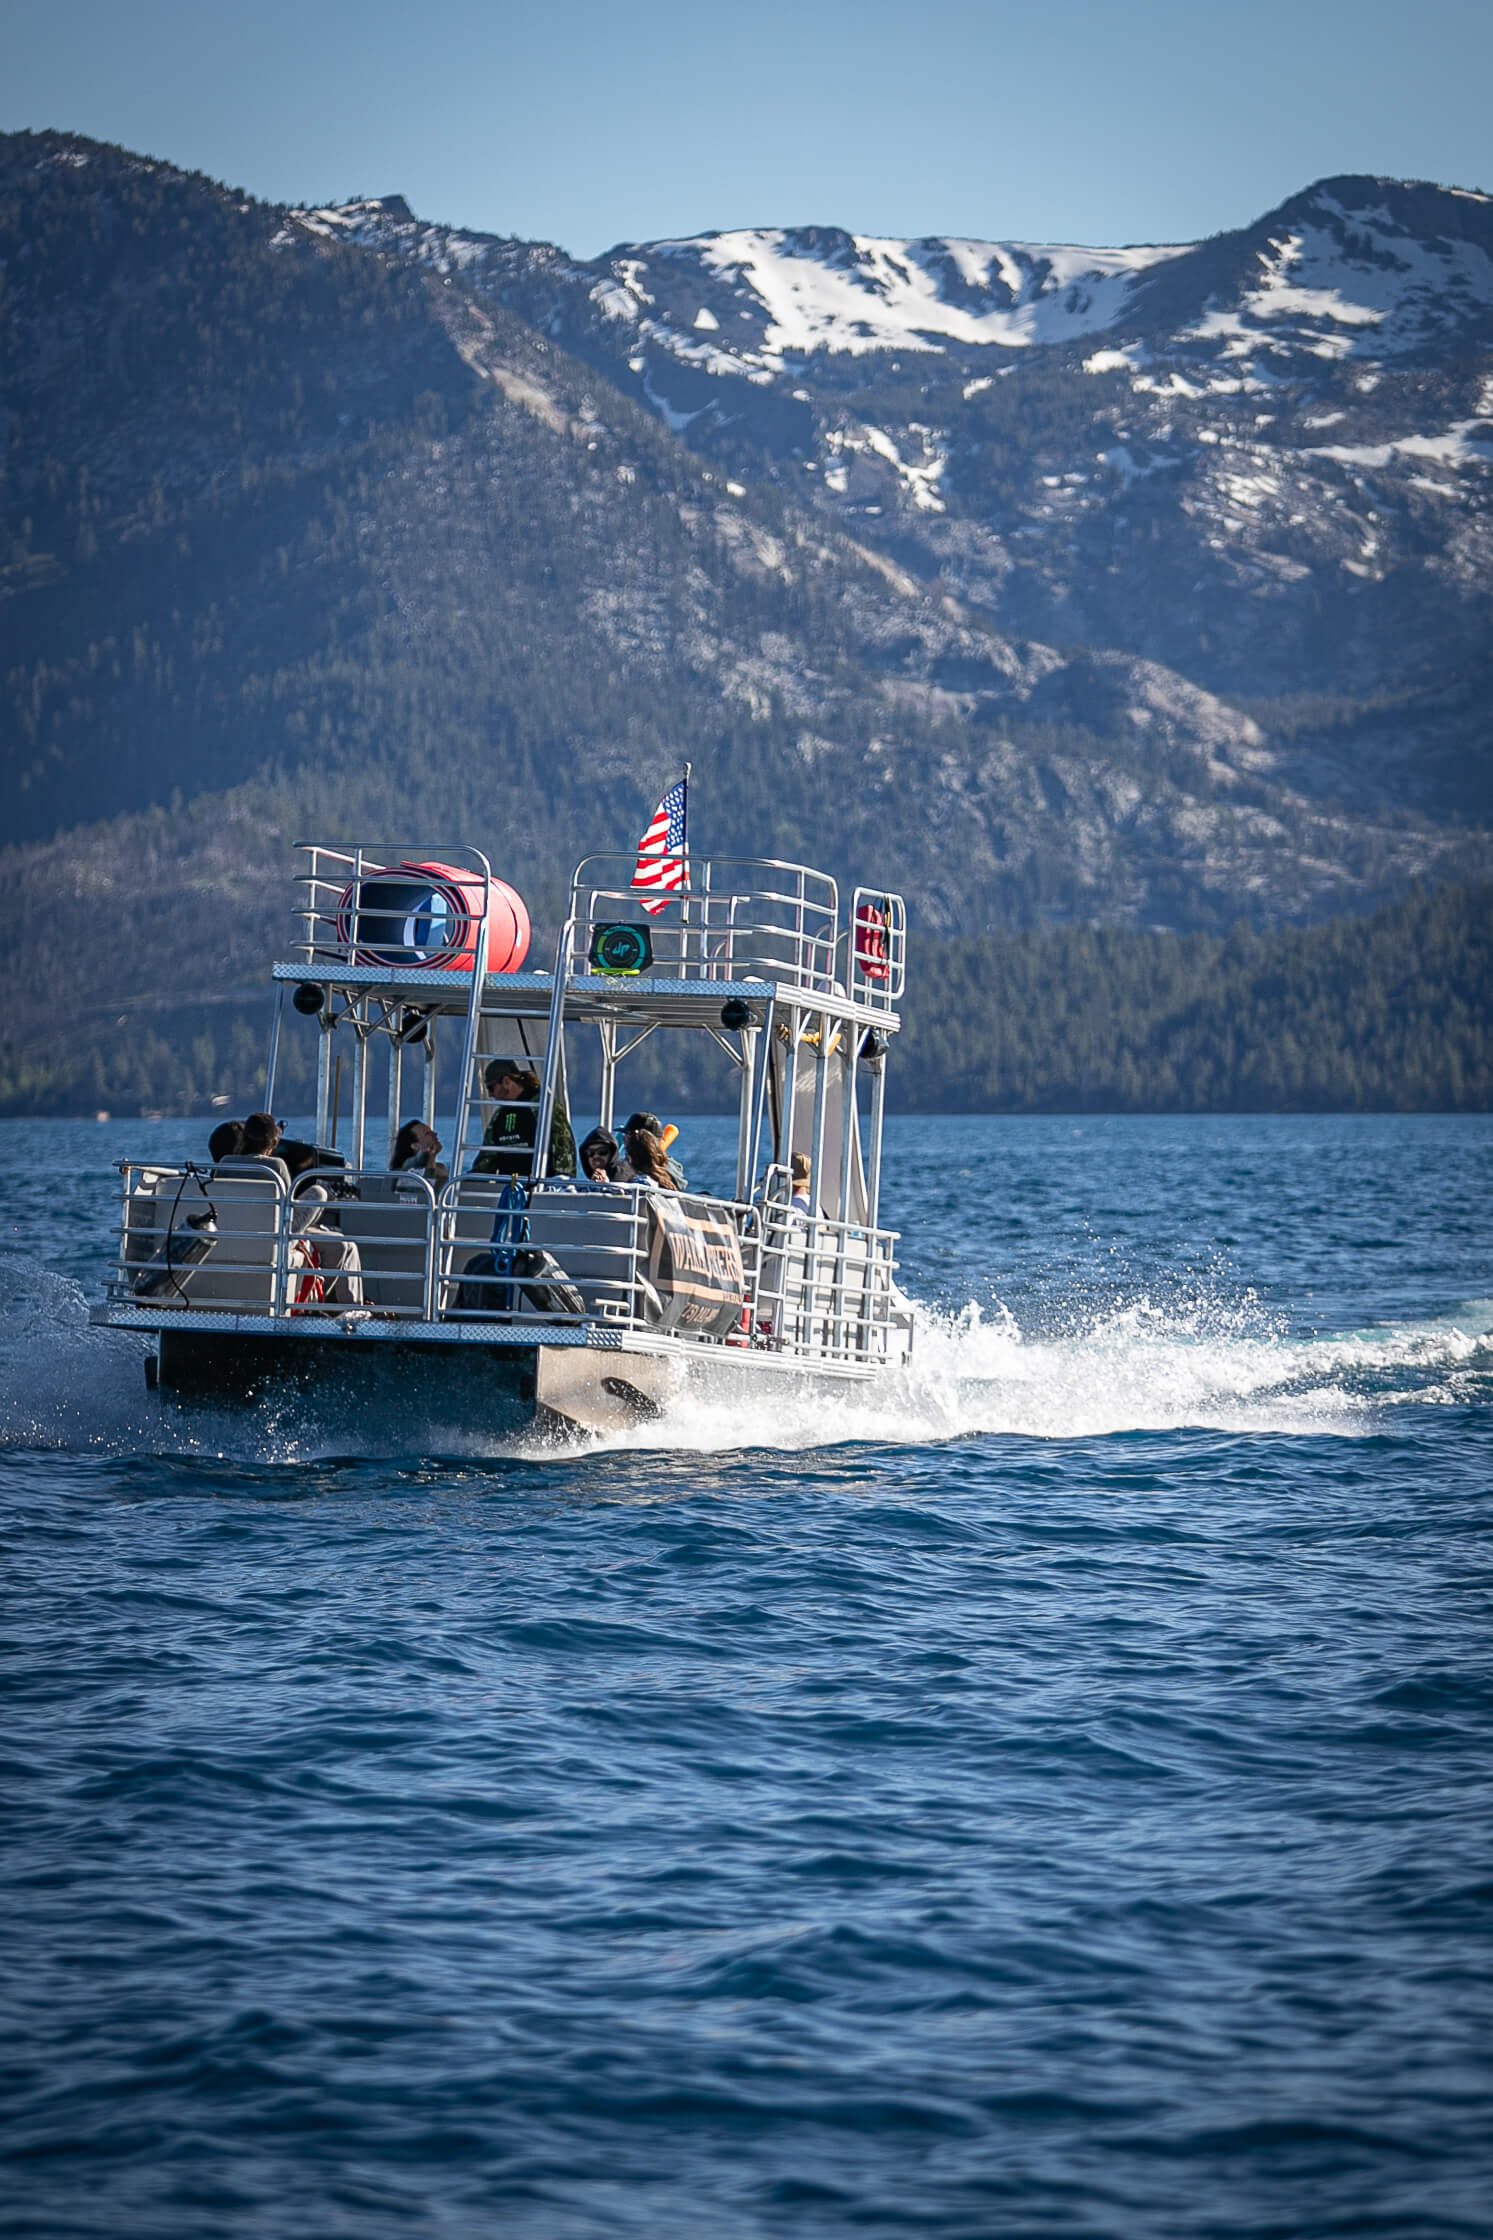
(1054, 1797)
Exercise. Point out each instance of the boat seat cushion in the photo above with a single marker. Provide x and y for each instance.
(239, 1270)
(590, 1234)
(390, 1221)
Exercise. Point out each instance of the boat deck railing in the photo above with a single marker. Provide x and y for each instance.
(375, 909)
(477, 1259)
(355, 908)
(745, 919)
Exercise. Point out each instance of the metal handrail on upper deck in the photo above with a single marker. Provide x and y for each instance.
(876, 941)
(340, 926)
(372, 913)
(779, 922)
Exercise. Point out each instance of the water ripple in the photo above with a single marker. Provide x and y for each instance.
(1055, 1800)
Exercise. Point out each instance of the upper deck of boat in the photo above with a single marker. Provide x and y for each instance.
(589, 997)
(752, 932)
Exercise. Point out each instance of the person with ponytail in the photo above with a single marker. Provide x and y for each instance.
(647, 1160)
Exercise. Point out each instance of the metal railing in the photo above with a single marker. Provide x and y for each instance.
(562, 1254)
(877, 943)
(826, 1288)
(741, 920)
(189, 1237)
(481, 1254)
(369, 905)
(393, 907)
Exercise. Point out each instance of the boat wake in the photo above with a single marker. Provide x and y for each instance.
(1205, 1365)
(1204, 1362)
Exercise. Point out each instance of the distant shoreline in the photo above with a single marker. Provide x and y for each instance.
(683, 1115)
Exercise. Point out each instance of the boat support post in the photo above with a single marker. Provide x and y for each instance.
(428, 1101)
(746, 1106)
(466, 1087)
(396, 1086)
(878, 1118)
(272, 1060)
(546, 1120)
(762, 1060)
(327, 1023)
(361, 1030)
(849, 1131)
(816, 1160)
(608, 1029)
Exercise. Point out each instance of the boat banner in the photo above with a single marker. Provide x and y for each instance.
(694, 1265)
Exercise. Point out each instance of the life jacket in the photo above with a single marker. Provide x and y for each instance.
(310, 1283)
(870, 942)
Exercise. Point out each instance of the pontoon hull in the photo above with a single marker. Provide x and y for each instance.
(496, 1391)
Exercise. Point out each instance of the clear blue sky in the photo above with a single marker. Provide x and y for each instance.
(592, 123)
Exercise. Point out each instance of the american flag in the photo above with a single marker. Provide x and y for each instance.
(663, 852)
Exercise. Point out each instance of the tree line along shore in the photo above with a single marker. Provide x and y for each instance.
(1387, 1013)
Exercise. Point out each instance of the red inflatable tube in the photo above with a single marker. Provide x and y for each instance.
(425, 916)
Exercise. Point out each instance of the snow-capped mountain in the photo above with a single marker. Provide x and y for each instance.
(1351, 267)
(1159, 580)
(1334, 274)
(1234, 456)
(1339, 333)
(756, 301)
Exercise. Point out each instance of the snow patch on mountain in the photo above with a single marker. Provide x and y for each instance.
(853, 293)
(1467, 443)
(1124, 360)
(918, 477)
(387, 222)
(1340, 282)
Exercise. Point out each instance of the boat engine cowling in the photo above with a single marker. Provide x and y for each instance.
(426, 916)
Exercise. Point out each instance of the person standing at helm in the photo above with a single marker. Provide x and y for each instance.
(508, 1139)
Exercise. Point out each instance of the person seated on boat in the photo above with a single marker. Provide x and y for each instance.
(417, 1150)
(508, 1138)
(316, 1229)
(261, 1146)
(799, 1170)
(647, 1161)
(226, 1141)
(649, 1123)
(600, 1157)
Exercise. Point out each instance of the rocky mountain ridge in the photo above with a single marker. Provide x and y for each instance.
(1169, 607)
(1372, 267)
(1262, 462)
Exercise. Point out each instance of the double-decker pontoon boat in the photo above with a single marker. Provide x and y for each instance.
(517, 1296)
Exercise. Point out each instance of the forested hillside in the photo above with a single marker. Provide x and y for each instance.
(1392, 1013)
(334, 524)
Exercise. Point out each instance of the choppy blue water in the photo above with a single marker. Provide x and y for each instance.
(1056, 1798)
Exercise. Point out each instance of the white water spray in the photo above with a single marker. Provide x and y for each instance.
(1200, 1363)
